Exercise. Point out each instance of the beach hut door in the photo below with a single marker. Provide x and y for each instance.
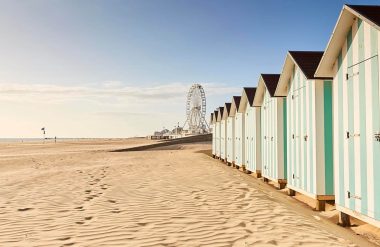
(363, 106)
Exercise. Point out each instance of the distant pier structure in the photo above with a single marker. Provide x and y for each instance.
(195, 122)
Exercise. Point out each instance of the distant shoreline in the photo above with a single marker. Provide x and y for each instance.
(52, 139)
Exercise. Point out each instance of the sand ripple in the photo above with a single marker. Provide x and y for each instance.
(159, 198)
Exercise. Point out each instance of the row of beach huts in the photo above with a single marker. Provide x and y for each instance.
(315, 128)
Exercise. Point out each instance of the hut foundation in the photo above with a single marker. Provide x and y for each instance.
(344, 219)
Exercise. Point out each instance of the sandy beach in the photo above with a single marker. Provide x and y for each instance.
(80, 194)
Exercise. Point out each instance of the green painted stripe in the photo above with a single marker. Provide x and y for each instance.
(329, 169)
(363, 129)
(350, 105)
(375, 119)
(342, 192)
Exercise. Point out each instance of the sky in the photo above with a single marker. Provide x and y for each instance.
(122, 68)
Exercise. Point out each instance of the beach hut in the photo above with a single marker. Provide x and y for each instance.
(239, 134)
(231, 133)
(223, 132)
(273, 130)
(227, 108)
(252, 125)
(218, 131)
(309, 123)
(212, 127)
(352, 59)
(215, 134)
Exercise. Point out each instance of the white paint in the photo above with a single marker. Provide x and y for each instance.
(356, 112)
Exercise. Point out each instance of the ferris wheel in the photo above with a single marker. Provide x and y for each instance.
(196, 109)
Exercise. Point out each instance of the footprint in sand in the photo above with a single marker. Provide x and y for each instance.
(79, 208)
(24, 209)
(242, 224)
(116, 211)
(63, 211)
(88, 218)
(89, 198)
(68, 244)
(112, 201)
(79, 222)
(64, 238)
(88, 191)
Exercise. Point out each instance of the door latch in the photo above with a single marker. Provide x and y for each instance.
(348, 135)
(377, 137)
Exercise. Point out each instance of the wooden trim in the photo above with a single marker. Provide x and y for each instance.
(326, 197)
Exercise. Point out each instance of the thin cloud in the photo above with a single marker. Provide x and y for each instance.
(113, 89)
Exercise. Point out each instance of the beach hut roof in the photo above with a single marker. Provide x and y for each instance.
(307, 61)
(270, 81)
(247, 98)
(215, 116)
(266, 81)
(234, 105)
(226, 112)
(368, 13)
(220, 113)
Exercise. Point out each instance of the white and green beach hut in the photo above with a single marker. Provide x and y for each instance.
(273, 130)
(231, 132)
(214, 134)
(352, 59)
(218, 131)
(239, 134)
(223, 132)
(212, 127)
(252, 131)
(309, 123)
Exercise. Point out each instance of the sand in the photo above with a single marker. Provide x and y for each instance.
(79, 194)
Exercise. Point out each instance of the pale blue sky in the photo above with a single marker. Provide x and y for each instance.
(122, 68)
